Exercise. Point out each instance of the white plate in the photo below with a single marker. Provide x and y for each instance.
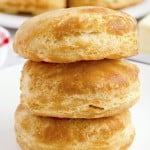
(14, 21)
(9, 99)
(139, 10)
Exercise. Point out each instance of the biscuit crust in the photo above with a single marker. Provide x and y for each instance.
(118, 4)
(30, 6)
(41, 133)
(91, 89)
(74, 34)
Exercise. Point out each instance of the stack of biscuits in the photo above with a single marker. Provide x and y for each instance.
(76, 90)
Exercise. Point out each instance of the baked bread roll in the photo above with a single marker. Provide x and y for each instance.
(30, 6)
(40, 133)
(69, 35)
(113, 4)
(91, 89)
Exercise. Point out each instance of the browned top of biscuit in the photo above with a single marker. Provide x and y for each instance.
(38, 4)
(80, 77)
(79, 19)
(113, 4)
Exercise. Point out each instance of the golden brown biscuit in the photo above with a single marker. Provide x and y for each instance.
(40, 133)
(91, 89)
(69, 35)
(30, 6)
(113, 4)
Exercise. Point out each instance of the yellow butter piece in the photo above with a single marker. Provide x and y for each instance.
(144, 35)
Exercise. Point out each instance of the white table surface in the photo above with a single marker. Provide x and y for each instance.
(9, 99)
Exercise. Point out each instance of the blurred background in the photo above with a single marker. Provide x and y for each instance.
(14, 13)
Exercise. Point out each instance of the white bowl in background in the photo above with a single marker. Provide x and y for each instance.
(4, 43)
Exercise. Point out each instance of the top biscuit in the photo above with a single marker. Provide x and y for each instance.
(74, 34)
